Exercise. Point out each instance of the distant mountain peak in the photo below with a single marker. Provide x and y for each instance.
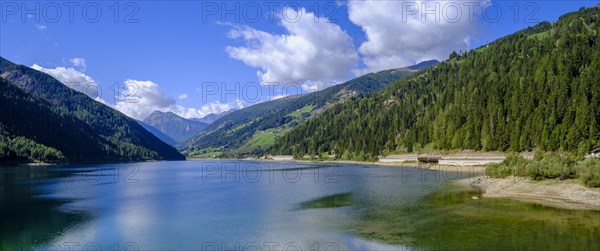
(178, 128)
(161, 113)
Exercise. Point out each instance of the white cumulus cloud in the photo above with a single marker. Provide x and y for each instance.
(182, 96)
(313, 49)
(401, 33)
(144, 97)
(215, 107)
(74, 79)
(136, 99)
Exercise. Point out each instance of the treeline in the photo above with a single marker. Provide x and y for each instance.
(552, 165)
(536, 89)
(20, 149)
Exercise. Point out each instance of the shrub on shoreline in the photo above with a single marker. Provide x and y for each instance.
(553, 165)
(589, 172)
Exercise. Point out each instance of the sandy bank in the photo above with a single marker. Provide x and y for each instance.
(568, 194)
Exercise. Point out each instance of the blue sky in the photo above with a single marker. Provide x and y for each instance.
(196, 58)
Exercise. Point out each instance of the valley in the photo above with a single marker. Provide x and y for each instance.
(404, 132)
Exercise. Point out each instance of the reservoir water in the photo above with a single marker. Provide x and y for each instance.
(251, 205)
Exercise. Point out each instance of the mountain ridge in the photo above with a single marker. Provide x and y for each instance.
(111, 136)
(252, 130)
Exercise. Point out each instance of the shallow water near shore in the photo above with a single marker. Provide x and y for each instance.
(251, 205)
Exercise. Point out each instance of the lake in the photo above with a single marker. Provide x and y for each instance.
(252, 205)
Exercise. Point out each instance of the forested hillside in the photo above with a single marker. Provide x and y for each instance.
(44, 120)
(253, 130)
(536, 89)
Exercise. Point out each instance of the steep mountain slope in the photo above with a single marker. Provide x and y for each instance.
(252, 130)
(231, 131)
(177, 128)
(160, 135)
(17, 139)
(538, 88)
(40, 109)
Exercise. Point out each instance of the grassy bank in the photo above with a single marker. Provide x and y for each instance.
(549, 166)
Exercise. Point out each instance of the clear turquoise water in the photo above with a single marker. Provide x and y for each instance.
(247, 205)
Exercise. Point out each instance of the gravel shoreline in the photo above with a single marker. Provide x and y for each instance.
(566, 194)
